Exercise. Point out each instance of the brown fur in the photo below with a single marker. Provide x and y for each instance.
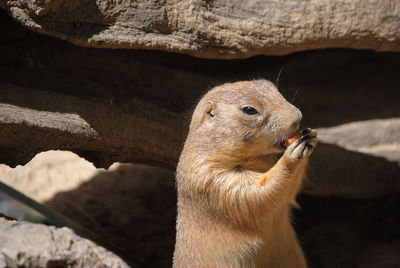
(225, 218)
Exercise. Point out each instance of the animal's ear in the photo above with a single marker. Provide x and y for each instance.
(206, 113)
(211, 109)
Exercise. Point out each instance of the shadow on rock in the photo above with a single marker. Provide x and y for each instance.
(335, 171)
(338, 233)
(133, 208)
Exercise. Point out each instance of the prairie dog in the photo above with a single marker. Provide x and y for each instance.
(225, 217)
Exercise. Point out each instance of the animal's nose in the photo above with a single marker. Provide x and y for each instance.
(298, 116)
(296, 125)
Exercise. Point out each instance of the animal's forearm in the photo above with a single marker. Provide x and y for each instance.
(247, 204)
(282, 182)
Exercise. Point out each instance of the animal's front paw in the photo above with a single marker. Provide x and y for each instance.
(302, 147)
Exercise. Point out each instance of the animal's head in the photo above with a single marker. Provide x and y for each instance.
(249, 119)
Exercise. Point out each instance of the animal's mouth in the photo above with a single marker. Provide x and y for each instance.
(287, 139)
(291, 138)
(279, 145)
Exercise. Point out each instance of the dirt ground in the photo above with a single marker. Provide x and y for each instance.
(133, 208)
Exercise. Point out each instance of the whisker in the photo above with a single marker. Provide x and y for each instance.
(282, 137)
(297, 93)
(279, 76)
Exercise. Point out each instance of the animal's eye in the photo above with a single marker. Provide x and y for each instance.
(249, 110)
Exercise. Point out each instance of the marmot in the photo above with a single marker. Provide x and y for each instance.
(226, 218)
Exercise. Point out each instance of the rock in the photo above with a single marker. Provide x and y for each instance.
(132, 206)
(378, 137)
(24, 244)
(338, 232)
(47, 174)
(217, 29)
(134, 106)
(357, 160)
(60, 121)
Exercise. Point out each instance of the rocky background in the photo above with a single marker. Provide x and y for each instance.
(124, 89)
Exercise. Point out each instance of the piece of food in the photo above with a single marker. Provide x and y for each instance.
(263, 180)
(291, 139)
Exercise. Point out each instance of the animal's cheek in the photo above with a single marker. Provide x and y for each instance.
(256, 138)
(248, 137)
(277, 128)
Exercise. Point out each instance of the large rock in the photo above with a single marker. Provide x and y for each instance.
(132, 206)
(216, 29)
(118, 105)
(58, 121)
(24, 244)
(357, 159)
(336, 232)
(378, 137)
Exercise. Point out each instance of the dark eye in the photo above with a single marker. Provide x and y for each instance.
(249, 110)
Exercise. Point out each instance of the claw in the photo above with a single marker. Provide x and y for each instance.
(305, 132)
(305, 138)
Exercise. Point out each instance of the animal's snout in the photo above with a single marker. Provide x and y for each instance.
(296, 125)
(297, 116)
